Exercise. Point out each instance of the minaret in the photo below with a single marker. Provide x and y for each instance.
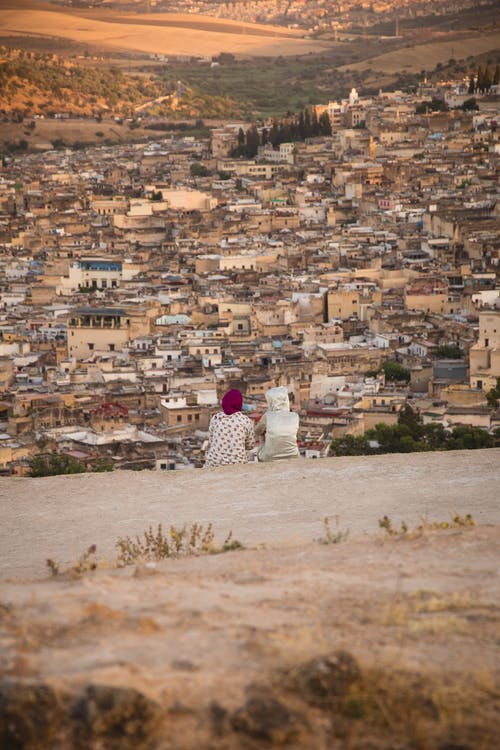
(372, 147)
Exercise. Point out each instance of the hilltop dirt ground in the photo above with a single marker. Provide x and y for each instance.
(376, 641)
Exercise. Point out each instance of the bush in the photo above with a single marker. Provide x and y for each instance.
(155, 545)
(409, 435)
(447, 351)
(394, 371)
(53, 464)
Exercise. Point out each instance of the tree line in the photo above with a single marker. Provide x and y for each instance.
(410, 435)
(483, 80)
(290, 129)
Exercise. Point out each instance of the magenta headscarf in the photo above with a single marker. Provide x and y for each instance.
(232, 401)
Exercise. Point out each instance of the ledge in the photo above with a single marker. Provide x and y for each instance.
(59, 517)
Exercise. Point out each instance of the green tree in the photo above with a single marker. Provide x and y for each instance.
(315, 129)
(395, 372)
(479, 79)
(448, 351)
(103, 464)
(53, 464)
(350, 445)
(325, 126)
(394, 438)
(308, 123)
(198, 170)
(252, 142)
(470, 104)
(486, 80)
(469, 438)
(274, 133)
(408, 417)
(434, 436)
(493, 396)
(434, 105)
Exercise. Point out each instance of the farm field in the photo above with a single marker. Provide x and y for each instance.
(166, 35)
(426, 56)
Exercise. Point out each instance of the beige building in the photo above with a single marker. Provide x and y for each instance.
(485, 354)
(183, 414)
(95, 273)
(428, 295)
(93, 330)
(352, 299)
(344, 359)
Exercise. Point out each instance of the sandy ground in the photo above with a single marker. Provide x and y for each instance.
(59, 517)
(188, 632)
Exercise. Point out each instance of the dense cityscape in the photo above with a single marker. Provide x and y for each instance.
(249, 374)
(359, 269)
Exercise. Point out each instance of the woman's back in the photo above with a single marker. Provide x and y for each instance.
(280, 426)
(230, 437)
(281, 436)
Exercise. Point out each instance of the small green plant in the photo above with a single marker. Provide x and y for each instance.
(386, 524)
(457, 521)
(86, 563)
(230, 544)
(332, 537)
(158, 544)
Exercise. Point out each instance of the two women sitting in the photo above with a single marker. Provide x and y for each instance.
(232, 433)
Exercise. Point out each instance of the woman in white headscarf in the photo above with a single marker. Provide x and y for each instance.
(280, 426)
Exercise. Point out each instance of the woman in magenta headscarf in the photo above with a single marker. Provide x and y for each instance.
(230, 434)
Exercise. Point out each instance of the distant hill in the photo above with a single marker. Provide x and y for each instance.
(34, 83)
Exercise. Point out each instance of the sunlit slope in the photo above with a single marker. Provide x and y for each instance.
(419, 57)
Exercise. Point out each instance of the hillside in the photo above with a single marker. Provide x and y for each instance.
(374, 641)
(416, 57)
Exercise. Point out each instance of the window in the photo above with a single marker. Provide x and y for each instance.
(91, 347)
(163, 467)
(179, 418)
(190, 417)
(111, 347)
